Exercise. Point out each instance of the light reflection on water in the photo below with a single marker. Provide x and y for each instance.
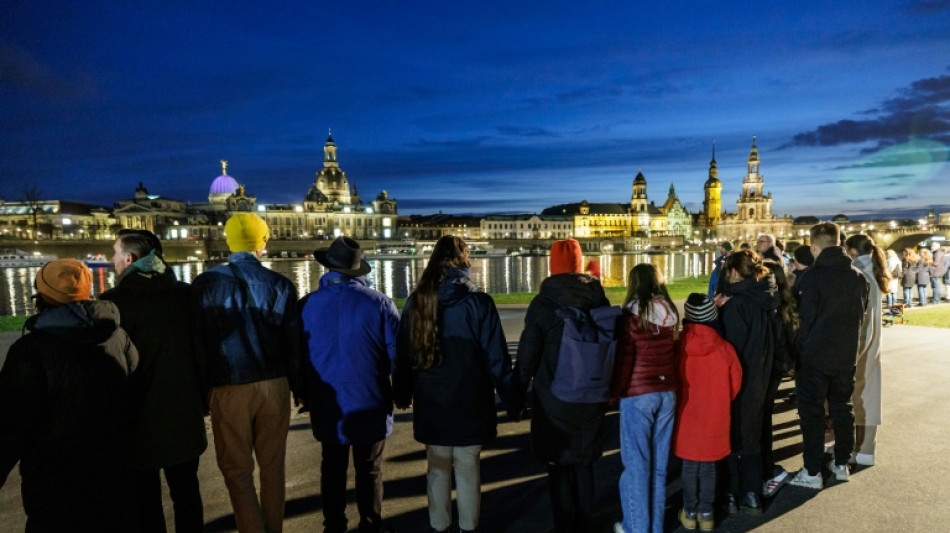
(394, 277)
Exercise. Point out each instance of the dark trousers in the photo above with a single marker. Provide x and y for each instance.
(699, 486)
(572, 497)
(768, 461)
(813, 387)
(182, 482)
(367, 459)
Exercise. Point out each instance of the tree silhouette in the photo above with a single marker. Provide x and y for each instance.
(32, 197)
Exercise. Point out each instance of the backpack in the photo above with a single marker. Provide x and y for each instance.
(586, 359)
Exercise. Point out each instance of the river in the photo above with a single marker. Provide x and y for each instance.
(394, 277)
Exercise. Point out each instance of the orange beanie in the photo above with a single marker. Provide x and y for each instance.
(63, 281)
(566, 257)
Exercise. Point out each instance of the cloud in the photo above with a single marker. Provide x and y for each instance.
(921, 110)
(20, 70)
(886, 199)
(519, 131)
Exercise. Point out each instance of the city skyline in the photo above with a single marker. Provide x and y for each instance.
(493, 108)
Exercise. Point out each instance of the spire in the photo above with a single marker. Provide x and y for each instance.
(224, 167)
(330, 136)
(672, 191)
(713, 162)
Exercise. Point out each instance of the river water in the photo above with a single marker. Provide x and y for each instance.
(395, 277)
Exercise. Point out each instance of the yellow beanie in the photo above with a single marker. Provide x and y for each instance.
(246, 232)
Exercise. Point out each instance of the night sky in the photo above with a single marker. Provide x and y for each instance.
(481, 107)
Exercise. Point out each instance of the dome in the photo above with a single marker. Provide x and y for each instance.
(713, 183)
(224, 184)
(640, 179)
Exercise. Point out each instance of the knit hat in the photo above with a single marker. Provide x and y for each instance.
(566, 257)
(726, 245)
(63, 281)
(246, 232)
(700, 309)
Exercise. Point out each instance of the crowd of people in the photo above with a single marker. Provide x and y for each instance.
(96, 407)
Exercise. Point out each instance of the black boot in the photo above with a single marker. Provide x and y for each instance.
(733, 506)
(750, 504)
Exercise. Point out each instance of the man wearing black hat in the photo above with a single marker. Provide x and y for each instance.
(349, 334)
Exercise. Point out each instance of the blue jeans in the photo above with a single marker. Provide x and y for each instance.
(921, 294)
(937, 283)
(891, 299)
(646, 428)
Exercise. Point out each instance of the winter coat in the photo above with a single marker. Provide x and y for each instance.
(713, 287)
(710, 376)
(64, 410)
(747, 321)
(248, 329)
(453, 401)
(908, 274)
(561, 432)
(645, 360)
(168, 427)
(894, 269)
(924, 272)
(941, 264)
(867, 375)
(833, 300)
(349, 339)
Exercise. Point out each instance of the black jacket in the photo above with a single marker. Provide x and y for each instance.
(454, 400)
(562, 433)
(63, 409)
(168, 426)
(831, 304)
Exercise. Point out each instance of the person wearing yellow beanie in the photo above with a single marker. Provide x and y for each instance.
(246, 232)
(63, 281)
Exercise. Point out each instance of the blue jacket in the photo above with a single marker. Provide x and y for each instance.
(349, 334)
(247, 330)
(714, 276)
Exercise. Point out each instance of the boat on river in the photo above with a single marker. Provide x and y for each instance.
(97, 261)
(15, 258)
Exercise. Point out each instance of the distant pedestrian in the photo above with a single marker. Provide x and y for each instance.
(593, 268)
(349, 333)
(645, 381)
(710, 376)
(747, 312)
(567, 436)
(869, 259)
(893, 267)
(248, 330)
(716, 283)
(909, 274)
(801, 261)
(168, 427)
(63, 403)
(832, 304)
(451, 358)
(941, 266)
(925, 273)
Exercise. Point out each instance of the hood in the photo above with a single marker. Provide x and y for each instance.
(573, 290)
(703, 334)
(863, 263)
(85, 322)
(834, 257)
(660, 313)
(760, 293)
(456, 286)
(149, 273)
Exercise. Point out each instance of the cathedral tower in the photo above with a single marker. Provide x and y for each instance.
(752, 204)
(638, 200)
(712, 204)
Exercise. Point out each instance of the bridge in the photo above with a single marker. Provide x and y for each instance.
(898, 238)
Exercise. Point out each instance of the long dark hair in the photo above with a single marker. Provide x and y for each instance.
(645, 283)
(449, 252)
(864, 245)
(746, 265)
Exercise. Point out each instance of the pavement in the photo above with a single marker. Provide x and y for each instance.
(906, 490)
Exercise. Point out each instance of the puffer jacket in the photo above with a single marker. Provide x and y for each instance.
(924, 272)
(909, 274)
(64, 407)
(349, 334)
(561, 432)
(453, 401)
(247, 331)
(645, 360)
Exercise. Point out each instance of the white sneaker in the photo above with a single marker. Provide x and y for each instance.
(841, 472)
(863, 459)
(802, 479)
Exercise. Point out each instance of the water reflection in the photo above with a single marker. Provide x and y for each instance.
(394, 277)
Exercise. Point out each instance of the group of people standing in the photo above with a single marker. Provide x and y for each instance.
(919, 268)
(94, 407)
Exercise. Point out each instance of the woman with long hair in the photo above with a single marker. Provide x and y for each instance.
(645, 381)
(909, 274)
(893, 265)
(451, 357)
(925, 271)
(749, 304)
(566, 436)
(869, 259)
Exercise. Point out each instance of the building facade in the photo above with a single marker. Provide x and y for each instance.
(527, 226)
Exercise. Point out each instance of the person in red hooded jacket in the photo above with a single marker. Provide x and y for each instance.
(710, 376)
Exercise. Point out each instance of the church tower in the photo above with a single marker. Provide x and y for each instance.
(753, 205)
(330, 185)
(712, 204)
(638, 200)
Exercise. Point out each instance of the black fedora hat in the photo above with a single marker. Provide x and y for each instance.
(343, 256)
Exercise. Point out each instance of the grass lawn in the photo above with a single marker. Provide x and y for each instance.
(12, 323)
(932, 316)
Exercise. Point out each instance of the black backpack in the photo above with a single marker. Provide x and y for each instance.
(586, 358)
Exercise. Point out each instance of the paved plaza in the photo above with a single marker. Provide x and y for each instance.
(906, 491)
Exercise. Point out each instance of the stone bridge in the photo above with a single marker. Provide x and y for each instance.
(908, 236)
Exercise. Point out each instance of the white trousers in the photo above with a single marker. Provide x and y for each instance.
(465, 461)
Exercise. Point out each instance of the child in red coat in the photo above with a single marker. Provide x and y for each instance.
(710, 376)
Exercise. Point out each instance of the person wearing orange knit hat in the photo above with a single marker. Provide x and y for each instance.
(566, 436)
(63, 402)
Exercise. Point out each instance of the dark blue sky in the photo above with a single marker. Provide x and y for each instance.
(481, 106)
